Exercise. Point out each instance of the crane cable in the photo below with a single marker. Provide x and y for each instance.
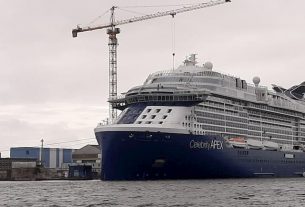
(98, 17)
(173, 31)
(173, 39)
(130, 11)
(123, 8)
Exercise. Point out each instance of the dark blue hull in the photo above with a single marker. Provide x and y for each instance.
(148, 155)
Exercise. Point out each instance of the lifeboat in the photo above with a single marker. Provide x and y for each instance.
(254, 144)
(238, 142)
(268, 145)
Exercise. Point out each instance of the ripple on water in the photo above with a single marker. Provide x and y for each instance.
(217, 192)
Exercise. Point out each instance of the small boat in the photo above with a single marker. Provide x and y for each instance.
(238, 142)
(268, 145)
(254, 144)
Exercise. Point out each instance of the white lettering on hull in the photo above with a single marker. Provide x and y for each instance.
(214, 144)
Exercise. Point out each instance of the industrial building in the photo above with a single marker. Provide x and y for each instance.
(51, 157)
(18, 169)
(89, 155)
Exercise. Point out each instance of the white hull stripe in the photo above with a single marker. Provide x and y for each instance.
(135, 128)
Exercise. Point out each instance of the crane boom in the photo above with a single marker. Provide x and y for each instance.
(149, 16)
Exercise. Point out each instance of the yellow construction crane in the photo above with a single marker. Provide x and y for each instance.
(112, 31)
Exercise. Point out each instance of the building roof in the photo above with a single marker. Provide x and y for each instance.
(88, 149)
(40, 147)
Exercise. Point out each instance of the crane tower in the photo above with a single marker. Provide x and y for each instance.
(113, 64)
(112, 32)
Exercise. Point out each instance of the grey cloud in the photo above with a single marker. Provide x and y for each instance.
(43, 66)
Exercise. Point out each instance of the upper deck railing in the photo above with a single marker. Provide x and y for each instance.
(191, 97)
(202, 72)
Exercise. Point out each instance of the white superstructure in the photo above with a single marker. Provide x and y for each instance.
(224, 105)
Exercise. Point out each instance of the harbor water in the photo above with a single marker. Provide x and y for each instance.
(215, 192)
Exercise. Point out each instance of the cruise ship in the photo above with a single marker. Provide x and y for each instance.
(194, 123)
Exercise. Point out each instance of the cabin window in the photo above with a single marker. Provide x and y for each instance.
(243, 84)
(169, 110)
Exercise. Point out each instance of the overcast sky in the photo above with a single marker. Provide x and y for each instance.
(55, 87)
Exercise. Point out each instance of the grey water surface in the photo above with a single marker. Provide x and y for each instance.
(216, 192)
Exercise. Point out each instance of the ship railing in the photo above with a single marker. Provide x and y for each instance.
(104, 122)
(213, 73)
(261, 87)
(159, 97)
(117, 97)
